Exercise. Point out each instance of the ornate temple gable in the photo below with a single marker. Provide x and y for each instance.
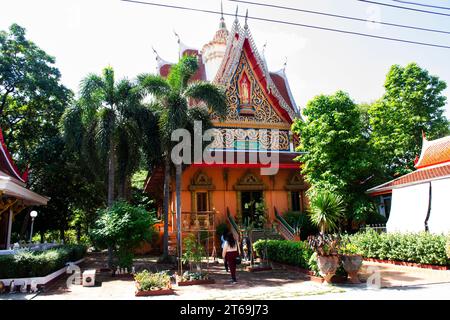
(201, 181)
(247, 101)
(250, 181)
(240, 41)
(296, 182)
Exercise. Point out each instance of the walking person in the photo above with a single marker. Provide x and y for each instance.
(230, 253)
(222, 239)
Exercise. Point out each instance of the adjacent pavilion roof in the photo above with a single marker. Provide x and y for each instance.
(433, 164)
(12, 183)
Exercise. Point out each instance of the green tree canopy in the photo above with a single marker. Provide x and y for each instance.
(413, 103)
(111, 127)
(337, 157)
(32, 99)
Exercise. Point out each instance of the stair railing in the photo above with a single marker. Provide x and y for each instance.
(284, 228)
(234, 227)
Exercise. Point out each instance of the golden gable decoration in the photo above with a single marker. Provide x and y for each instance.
(250, 181)
(201, 181)
(262, 139)
(258, 109)
(296, 182)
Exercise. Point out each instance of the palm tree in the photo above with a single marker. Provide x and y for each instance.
(326, 210)
(177, 96)
(110, 126)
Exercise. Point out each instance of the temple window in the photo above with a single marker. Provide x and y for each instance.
(202, 201)
(297, 200)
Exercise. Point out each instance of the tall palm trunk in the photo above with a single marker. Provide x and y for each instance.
(178, 191)
(111, 174)
(166, 207)
(111, 178)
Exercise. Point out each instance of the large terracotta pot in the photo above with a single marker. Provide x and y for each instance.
(327, 266)
(352, 264)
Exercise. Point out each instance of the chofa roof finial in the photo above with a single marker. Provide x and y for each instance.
(246, 18)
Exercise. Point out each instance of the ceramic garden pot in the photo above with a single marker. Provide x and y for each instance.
(327, 266)
(352, 264)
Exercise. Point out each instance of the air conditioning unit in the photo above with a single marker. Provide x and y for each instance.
(89, 278)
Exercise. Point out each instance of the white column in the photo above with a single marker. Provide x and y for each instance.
(291, 142)
(8, 238)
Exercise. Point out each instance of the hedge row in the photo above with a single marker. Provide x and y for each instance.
(296, 253)
(424, 247)
(39, 263)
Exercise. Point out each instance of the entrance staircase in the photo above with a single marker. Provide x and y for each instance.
(284, 229)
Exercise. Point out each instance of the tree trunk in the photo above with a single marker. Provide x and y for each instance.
(62, 235)
(25, 224)
(166, 208)
(111, 174)
(178, 191)
(111, 182)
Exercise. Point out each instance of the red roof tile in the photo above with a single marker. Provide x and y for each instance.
(434, 152)
(7, 164)
(280, 82)
(420, 175)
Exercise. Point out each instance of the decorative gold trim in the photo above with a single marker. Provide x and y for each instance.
(200, 181)
(296, 183)
(252, 125)
(250, 182)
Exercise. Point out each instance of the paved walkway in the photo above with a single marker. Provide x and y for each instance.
(397, 282)
(398, 276)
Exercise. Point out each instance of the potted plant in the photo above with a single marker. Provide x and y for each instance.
(192, 256)
(152, 284)
(325, 212)
(192, 278)
(351, 260)
(325, 247)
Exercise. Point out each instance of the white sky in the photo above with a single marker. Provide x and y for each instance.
(87, 35)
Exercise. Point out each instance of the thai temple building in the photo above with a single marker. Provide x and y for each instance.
(418, 201)
(14, 196)
(254, 136)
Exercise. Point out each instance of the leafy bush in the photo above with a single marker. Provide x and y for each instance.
(448, 246)
(295, 253)
(423, 247)
(125, 226)
(312, 264)
(39, 263)
(190, 276)
(152, 281)
(300, 221)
